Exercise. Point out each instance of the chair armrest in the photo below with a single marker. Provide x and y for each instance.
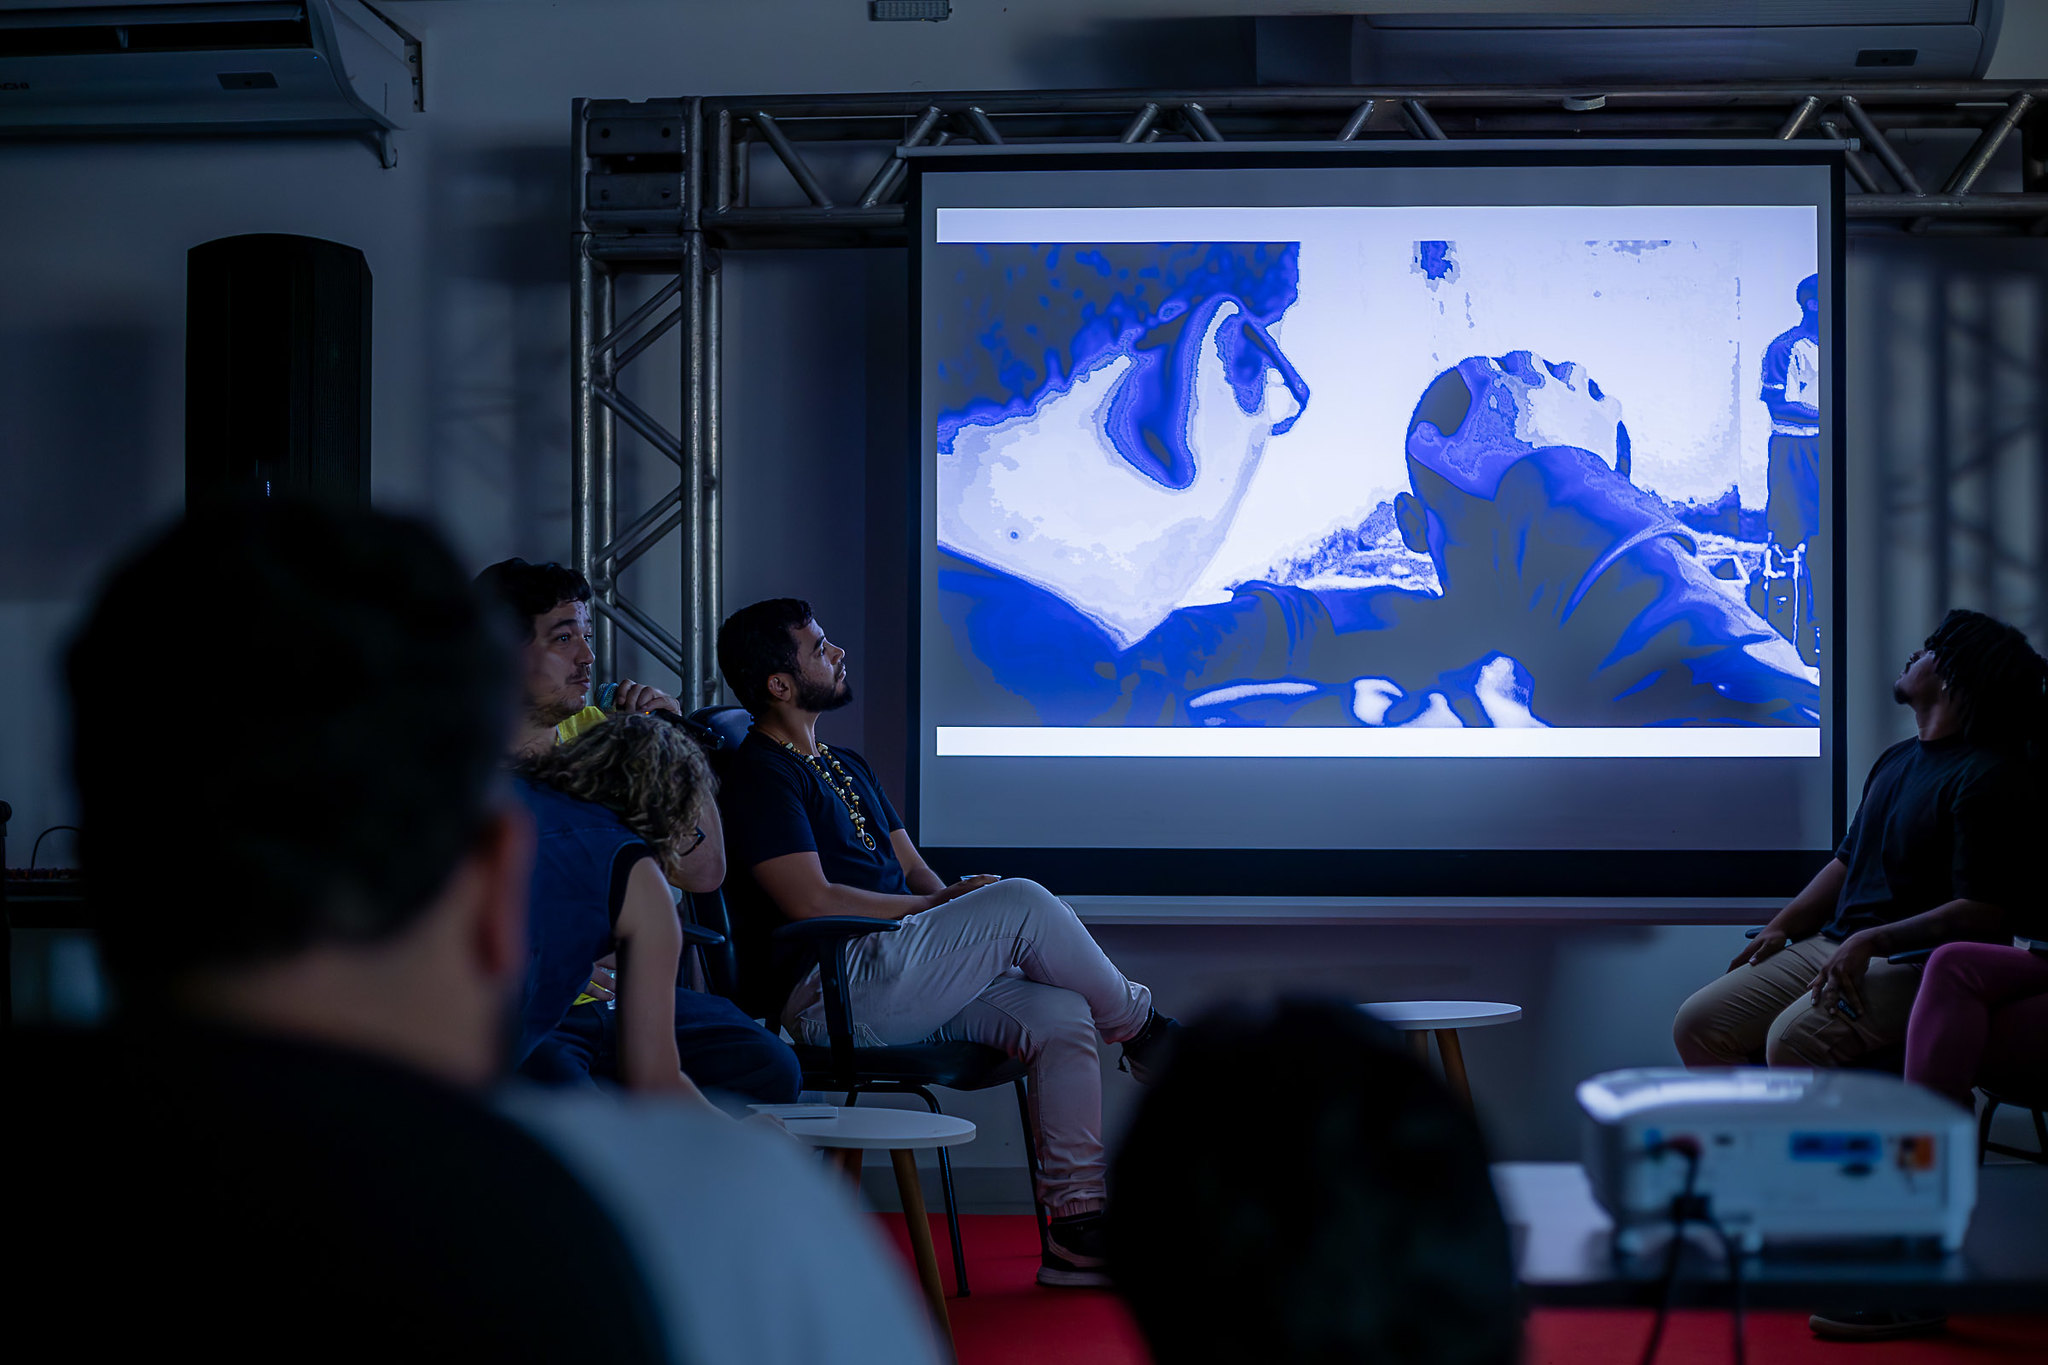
(1911, 957)
(824, 930)
(702, 937)
(824, 939)
(1752, 933)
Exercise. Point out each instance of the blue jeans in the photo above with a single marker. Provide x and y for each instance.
(720, 1049)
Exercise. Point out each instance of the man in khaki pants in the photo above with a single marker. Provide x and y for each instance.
(1941, 849)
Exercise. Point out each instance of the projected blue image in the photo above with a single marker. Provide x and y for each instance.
(1488, 481)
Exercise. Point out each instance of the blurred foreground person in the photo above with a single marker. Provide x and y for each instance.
(312, 913)
(1336, 1209)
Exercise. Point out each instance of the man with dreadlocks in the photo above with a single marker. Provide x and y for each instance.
(1939, 852)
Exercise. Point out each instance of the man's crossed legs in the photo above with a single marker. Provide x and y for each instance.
(1764, 1012)
(1010, 966)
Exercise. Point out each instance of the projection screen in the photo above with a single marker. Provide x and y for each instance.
(1387, 521)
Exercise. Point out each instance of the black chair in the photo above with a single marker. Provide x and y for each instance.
(910, 1069)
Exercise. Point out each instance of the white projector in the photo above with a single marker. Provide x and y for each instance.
(1784, 1155)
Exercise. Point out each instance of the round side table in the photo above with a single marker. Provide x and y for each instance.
(901, 1133)
(1420, 1018)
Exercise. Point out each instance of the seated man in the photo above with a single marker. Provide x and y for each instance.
(1297, 1188)
(719, 1047)
(996, 962)
(1939, 851)
(283, 1141)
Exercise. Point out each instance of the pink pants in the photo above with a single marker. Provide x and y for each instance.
(1981, 1019)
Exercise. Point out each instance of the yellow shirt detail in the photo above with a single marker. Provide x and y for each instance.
(578, 723)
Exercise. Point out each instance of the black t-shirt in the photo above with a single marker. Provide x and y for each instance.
(1939, 821)
(773, 804)
(187, 1191)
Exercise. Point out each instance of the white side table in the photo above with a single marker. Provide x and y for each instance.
(901, 1133)
(1420, 1018)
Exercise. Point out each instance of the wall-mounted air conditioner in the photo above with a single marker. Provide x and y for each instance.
(1500, 42)
(306, 66)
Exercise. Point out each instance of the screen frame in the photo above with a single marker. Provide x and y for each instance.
(1600, 874)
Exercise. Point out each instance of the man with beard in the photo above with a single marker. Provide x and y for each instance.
(1938, 852)
(1003, 963)
(587, 869)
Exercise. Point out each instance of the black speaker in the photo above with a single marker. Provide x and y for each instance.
(277, 369)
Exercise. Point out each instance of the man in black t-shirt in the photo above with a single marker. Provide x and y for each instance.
(1940, 850)
(810, 832)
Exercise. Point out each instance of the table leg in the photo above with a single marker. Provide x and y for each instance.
(921, 1239)
(1419, 1040)
(1454, 1064)
(847, 1159)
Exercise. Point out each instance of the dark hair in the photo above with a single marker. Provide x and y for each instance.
(1999, 682)
(755, 643)
(527, 590)
(316, 799)
(1336, 1208)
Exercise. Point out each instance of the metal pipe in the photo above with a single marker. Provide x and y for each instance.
(696, 357)
(984, 130)
(1987, 145)
(638, 315)
(666, 657)
(1420, 121)
(1937, 206)
(710, 610)
(808, 183)
(722, 172)
(1800, 117)
(654, 334)
(1867, 128)
(630, 543)
(651, 431)
(918, 132)
(1355, 125)
(628, 612)
(1854, 160)
(1198, 119)
(583, 537)
(605, 479)
(1140, 124)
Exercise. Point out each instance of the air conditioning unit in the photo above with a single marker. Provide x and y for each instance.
(1596, 42)
(306, 66)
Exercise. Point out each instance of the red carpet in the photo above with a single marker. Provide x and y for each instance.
(1009, 1320)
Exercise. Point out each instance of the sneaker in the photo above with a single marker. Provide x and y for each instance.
(1876, 1324)
(1074, 1253)
(1144, 1054)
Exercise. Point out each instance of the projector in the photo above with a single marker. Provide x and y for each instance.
(1784, 1155)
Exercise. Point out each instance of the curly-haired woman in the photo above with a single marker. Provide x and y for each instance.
(616, 810)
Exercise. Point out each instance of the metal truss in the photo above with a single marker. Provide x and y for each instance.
(665, 186)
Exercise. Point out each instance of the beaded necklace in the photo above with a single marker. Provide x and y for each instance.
(842, 788)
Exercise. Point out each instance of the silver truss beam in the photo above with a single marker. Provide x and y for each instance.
(665, 186)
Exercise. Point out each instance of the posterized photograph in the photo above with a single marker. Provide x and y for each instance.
(1392, 468)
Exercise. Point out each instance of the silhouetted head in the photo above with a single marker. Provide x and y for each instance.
(339, 759)
(1996, 680)
(1808, 294)
(1336, 1208)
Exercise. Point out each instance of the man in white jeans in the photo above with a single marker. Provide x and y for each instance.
(1004, 963)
